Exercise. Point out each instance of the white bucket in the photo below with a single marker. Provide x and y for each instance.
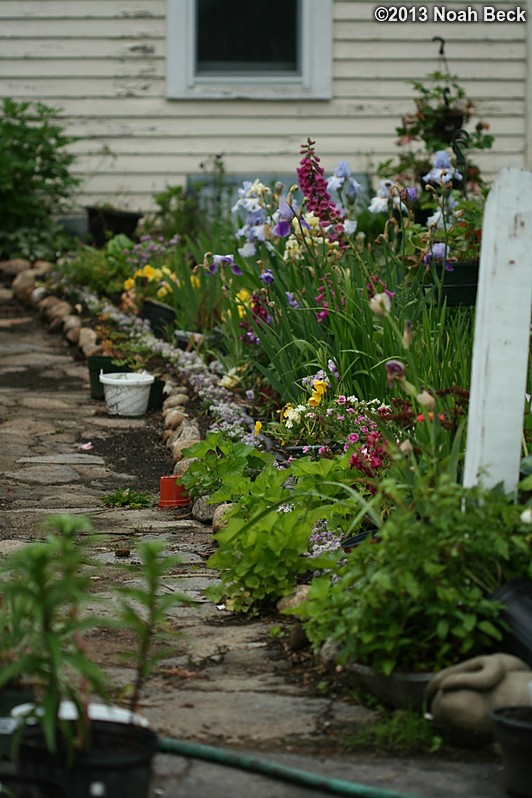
(127, 393)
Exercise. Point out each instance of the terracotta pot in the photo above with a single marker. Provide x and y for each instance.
(172, 492)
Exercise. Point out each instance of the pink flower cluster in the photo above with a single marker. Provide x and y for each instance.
(370, 456)
(313, 184)
(321, 299)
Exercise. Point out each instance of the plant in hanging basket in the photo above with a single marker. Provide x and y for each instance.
(59, 735)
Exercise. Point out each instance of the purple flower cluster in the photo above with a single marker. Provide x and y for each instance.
(151, 250)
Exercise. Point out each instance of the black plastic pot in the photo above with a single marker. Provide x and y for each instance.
(97, 364)
(512, 727)
(516, 598)
(458, 287)
(15, 786)
(119, 761)
(160, 316)
(155, 402)
(104, 223)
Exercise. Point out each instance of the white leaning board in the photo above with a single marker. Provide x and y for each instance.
(502, 334)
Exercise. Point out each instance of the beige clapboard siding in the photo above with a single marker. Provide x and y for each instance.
(103, 64)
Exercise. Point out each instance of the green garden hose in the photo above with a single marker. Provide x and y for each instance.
(167, 745)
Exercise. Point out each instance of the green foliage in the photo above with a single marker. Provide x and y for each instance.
(418, 598)
(102, 271)
(35, 179)
(144, 611)
(45, 587)
(219, 465)
(442, 107)
(177, 212)
(398, 732)
(264, 547)
(132, 499)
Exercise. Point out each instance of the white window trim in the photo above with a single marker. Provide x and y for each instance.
(316, 54)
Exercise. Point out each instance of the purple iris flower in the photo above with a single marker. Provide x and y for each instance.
(284, 224)
(342, 169)
(395, 371)
(224, 260)
(258, 216)
(442, 169)
(267, 276)
(291, 301)
(439, 252)
(441, 160)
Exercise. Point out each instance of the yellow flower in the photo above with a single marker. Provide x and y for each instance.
(320, 386)
(285, 411)
(148, 272)
(243, 295)
(258, 427)
(163, 291)
(128, 284)
(315, 399)
(195, 281)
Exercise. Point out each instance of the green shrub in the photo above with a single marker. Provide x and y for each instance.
(35, 178)
(100, 270)
(419, 598)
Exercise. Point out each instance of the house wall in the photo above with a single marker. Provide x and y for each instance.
(103, 63)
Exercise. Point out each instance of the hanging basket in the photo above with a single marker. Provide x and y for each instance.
(128, 393)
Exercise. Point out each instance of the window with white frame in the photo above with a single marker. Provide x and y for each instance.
(263, 49)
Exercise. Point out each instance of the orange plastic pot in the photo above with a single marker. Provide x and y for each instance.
(172, 492)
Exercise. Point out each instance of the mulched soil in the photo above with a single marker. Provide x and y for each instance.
(139, 452)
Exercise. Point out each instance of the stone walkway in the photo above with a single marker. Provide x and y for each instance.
(226, 683)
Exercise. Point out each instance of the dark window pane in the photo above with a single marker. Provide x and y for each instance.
(247, 37)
